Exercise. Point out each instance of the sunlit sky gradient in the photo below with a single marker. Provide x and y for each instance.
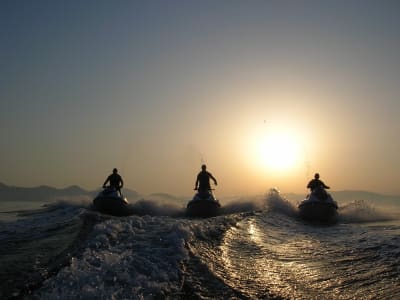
(155, 88)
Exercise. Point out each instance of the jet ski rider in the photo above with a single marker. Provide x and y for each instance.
(316, 182)
(203, 180)
(115, 180)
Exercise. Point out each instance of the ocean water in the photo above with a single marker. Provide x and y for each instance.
(258, 248)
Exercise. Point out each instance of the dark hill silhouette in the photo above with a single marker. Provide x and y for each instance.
(47, 193)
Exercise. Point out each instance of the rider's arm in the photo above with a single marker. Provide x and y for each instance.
(105, 182)
(324, 185)
(212, 177)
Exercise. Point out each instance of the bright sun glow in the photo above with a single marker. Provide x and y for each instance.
(277, 151)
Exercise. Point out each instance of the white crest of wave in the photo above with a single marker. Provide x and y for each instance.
(276, 202)
(78, 201)
(157, 208)
(128, 258)
(362, 211)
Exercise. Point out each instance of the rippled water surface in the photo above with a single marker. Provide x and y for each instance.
(67, 251)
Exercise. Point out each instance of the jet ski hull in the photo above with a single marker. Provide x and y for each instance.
(319, 207)
(111, 203)
(318, 211)
(203, 205)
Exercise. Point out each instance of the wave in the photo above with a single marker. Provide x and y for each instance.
(37, 245)
(275, 202)
(124, 258)
(360, 211)
(357, 211)
(156, 208)
(256, 246)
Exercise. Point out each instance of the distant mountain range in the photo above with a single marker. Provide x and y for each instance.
(47, 193)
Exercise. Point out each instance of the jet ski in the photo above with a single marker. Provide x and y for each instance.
(203, 204)
(319, 206)
(110, 202)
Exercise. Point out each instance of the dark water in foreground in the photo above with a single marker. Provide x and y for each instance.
(68, 251)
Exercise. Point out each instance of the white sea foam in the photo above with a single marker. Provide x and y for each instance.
(157, 208)
(363, 211)
(134, 257)
(78, 201)
(277, 203)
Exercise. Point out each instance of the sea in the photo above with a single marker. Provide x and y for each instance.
(257, 248)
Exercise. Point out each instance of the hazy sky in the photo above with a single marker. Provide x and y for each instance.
(156, 88)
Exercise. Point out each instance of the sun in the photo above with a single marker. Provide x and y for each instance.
(277, 151)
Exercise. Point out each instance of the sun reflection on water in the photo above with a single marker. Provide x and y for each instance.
(273, 265)
(254, 232)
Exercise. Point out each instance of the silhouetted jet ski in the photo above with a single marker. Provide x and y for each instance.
(319, 206)
(203, 204)
(110, 202)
